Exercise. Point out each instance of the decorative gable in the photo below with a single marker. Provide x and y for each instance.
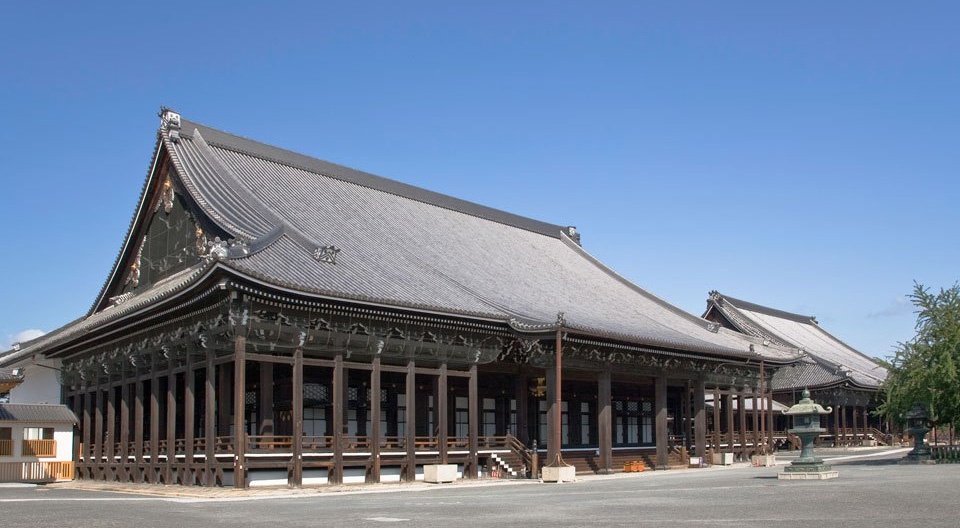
(168, 236)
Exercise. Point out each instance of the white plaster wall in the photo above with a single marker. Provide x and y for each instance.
(64, 437)
(63, 434)
(39, 384)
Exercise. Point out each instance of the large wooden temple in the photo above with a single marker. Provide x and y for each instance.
(272, 318)
(836, 374)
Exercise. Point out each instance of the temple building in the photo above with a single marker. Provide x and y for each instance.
(837, 375)
(276, 319)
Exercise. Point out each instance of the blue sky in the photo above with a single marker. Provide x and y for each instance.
(798, 155)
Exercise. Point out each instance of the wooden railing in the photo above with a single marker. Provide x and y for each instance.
(39, 448)
(520, 451)
(6, 447)
(945, 454)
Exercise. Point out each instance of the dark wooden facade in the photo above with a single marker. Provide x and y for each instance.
(163, 402)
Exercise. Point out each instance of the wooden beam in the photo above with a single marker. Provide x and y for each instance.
(267, 359)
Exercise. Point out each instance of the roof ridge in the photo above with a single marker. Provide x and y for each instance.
(251, 147)
(754, 307)
(706, 325)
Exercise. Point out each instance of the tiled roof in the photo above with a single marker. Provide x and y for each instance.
(408, 247)
(401, 247)
(832, 359)
(36, 413)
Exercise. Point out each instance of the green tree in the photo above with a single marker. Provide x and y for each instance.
(924, 370)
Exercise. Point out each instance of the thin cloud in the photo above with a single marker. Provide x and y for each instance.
(19, 337)
(898, 306)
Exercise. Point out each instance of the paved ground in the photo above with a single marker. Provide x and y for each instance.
(872, 491)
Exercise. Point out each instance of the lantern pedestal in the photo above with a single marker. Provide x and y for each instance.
(806, 425)
(917, 426)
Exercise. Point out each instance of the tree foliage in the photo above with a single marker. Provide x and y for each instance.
(924, 370)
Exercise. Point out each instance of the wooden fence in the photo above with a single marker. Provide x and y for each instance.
(36, 471)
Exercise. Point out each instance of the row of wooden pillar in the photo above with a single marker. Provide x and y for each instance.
(730, 428)
(224, 408)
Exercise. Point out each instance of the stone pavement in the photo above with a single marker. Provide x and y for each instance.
(220, 493)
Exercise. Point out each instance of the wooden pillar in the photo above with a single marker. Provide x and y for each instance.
(171, 424)
(210, 420)
(731, 427)
(239, 412)
(522, 396)
(717, 435)
(552, 448)
(756, 423)
(224, 392)
(124, 439)
(700, 417)
(443, 393)
(836, 425)
(189, 410)
(87, 425)
(265, 400)
(662, 435)
(843, 422)
(339, 391)
(742, 415)
(410, 419)
(154, 421)
(770, 422)
(474, 426)
(689, 414)
(98, 432)
(296, 475)
(111, 437)
(375, 410)
(605, 422)
(138, 406)
(855, 424)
